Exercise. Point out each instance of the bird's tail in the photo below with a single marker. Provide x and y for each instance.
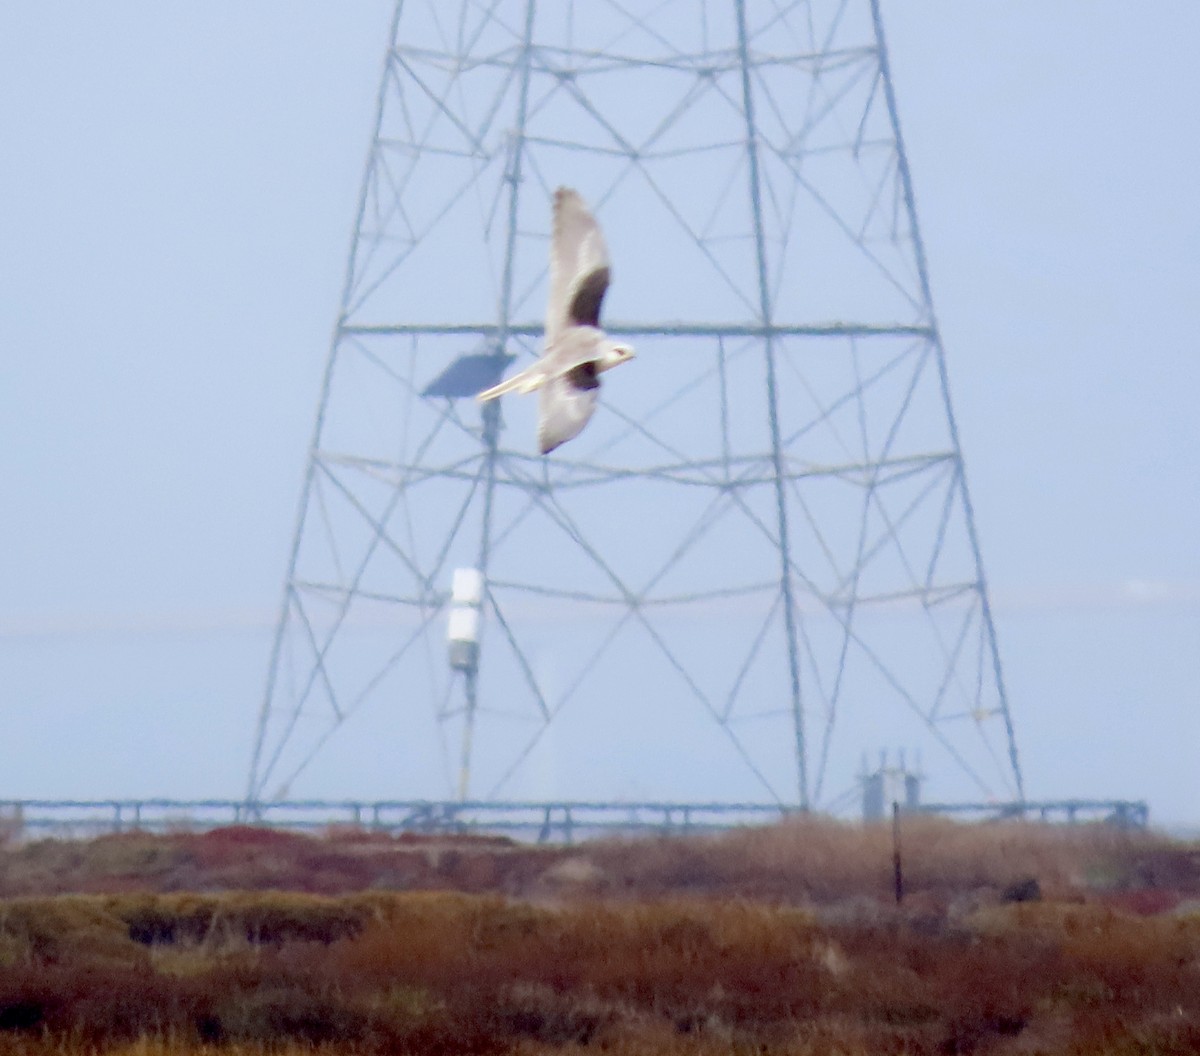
(526, 381)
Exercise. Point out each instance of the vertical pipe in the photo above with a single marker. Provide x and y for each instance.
(491, 411)
(252, 786)
(789, 603)
(923, 273)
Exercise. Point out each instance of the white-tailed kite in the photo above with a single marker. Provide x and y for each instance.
(576, 351)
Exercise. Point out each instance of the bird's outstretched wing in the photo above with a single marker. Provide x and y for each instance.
(579, 268)
(524, 381)
(575, 354)
(565, 403)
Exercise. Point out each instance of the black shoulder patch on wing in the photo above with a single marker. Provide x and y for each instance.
(584, 376)
(585, 305)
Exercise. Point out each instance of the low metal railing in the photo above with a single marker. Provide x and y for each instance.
(557, 821)
(1125, 813)
(562, 821)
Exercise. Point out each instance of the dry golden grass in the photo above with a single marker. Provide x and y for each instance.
(818, 859)
(803, 860)
(781, 940)
(425, 973)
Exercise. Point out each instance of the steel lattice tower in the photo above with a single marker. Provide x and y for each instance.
(759, 560)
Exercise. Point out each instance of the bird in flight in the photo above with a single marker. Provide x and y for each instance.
(576, 351)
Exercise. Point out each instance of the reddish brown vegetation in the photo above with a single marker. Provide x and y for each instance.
(800, 862)
(779, 940)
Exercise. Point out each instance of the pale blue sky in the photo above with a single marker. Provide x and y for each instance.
(179, 183)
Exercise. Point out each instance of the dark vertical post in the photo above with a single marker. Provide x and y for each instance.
(897, 868)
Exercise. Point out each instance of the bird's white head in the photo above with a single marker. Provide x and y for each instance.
(614, 355)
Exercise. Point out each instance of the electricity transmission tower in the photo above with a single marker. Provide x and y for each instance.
(759, 559)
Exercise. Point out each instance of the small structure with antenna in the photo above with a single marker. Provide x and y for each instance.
(890, 783)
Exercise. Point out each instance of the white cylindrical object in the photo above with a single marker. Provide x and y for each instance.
(467, 587)
(462, 629)
(463, 625)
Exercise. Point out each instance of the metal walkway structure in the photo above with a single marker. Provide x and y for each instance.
(760, 557)
(541, 822)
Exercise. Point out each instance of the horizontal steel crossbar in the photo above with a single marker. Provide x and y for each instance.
(758, 330)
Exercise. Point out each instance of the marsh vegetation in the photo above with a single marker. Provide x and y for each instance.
(1011, 939)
